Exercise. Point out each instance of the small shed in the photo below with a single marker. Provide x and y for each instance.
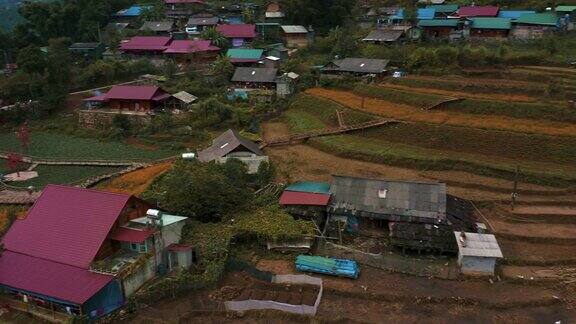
(295, 36)
(438, 28)
(285, 84)
(159, 27)
(490, 27)
(536, 25)
(179, 256)
(477, 253)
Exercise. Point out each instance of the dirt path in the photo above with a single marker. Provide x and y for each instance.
(412, 114)
(460, 94)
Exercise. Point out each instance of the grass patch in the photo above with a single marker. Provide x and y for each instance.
(302, 121)
(50, 145)
(58, 174)
(398, 96)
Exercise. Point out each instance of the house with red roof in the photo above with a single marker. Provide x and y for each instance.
(478, 11)
(238, 34)
(187, 50)
(143, 99)
(145, 45)
(307, 200)
(83, 252)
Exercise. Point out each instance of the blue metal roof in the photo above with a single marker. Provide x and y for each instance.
(133, 11)
(514, 14)
(423, 14)
(309, 186)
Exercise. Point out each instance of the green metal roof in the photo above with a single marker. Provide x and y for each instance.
(491, 23)
(546, 18)
(245, 53)
(309, 186)
(565, 8)
(438, 23)
(447, 8)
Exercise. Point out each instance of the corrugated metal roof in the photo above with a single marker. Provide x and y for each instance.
(228, 142)
(478, 11)
(438, 23)
(359, 65)
(294, 29)
(304, 198)
(203, 21)
(190, 46)
(546, 18)
(134, 93)
(185, 97)
(158, 26)
(514, 14)
(422, 13)
(383, 35)
(146, 43)
(257, 75)
(310, 186)
(566, 8)
(478, 245)
(245, 53)
(237, 30)
(402, 198)
(132, 235)
(56, 280)
(491, 23)
(446, 8)
(66, 225)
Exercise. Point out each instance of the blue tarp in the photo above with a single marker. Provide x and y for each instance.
(310, 186)
(133, 11)
(105, 301)
(329, 266)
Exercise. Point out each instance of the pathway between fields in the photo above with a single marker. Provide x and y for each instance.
(409, 113)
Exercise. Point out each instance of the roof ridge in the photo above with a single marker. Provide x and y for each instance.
(53, 261)
(385, 180)
(86, 189)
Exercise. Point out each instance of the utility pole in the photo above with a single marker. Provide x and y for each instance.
(515, 190)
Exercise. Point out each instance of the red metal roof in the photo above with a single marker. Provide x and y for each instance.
(304, 198)
(190, 46)
(237, 31)
(146, 43)
(478, 11)
(124, 234)
(66, 225)
(135, 93)
(179, 247)
(47, 278)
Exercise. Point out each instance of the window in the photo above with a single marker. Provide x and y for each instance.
(139, 247)
(382, 193)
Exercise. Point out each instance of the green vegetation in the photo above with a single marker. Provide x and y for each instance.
(60, 174)
(51, 145)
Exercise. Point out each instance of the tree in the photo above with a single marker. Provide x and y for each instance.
(32, 60)
(342, 42)
(204, 191)
(14, 162)
(152, 11)
(222, 68)
(215, 36)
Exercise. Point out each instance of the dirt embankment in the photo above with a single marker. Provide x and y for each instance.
(461, 94)
(412, 114)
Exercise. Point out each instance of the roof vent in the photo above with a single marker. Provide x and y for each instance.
(382, 193)
(253, 72)
(362, 65)
(223, 146)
